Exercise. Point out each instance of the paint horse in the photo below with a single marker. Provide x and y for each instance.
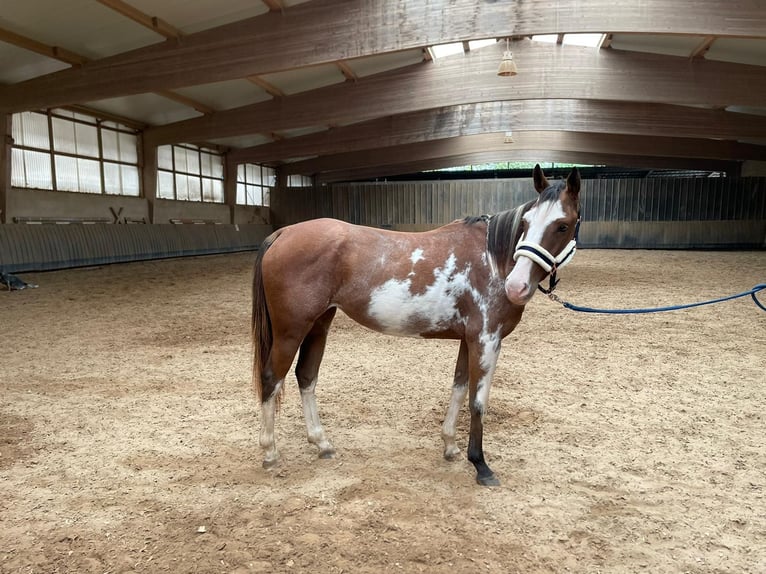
(468, 280)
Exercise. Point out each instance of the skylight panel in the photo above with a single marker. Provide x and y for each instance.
(548, 38)
(587, 40)
(443, 50)
(476, 44)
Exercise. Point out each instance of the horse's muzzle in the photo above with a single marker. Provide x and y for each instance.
(519, 291)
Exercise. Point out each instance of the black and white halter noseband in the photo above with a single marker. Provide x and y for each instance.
(543, 257)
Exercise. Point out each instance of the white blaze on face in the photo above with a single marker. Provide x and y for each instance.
(518, 284)
(397, 310)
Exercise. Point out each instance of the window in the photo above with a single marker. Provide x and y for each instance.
(189, 173)
(299, 181)
(63, 150)
(254, 183)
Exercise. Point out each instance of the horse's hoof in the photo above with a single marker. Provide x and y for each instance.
(270, 463)
(490, 480)
(327, 453)
(452, 455)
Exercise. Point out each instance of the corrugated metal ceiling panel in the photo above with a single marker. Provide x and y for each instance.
(191, 16)
(740, 51)
(17, 64)
(655, 44)
(376, 64)
(304, 79)
(82, 26)
(242, 141)
(148, 108)
(226, 95)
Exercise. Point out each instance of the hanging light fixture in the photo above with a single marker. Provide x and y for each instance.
(507, 65)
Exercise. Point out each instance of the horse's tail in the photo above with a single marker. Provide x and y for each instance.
(260, 325)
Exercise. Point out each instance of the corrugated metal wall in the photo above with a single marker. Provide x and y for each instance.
(675, 213)
(43, 247)
(399, 203)
(622, 213)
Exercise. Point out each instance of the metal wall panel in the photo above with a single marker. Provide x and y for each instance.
(44, 247)
(676, 206)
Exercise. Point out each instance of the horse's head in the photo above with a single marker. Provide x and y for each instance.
(548, 235)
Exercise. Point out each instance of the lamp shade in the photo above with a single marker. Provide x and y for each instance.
(507, 65)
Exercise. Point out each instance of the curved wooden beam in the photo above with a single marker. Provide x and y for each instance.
(594, 144)
(645, 119)
(541, 155)
(545, 72)
(324, 31)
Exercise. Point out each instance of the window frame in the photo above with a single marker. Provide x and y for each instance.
(54, 150)
(177, 176)
(245, 186)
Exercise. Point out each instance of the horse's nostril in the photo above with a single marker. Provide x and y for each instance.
(518, 291)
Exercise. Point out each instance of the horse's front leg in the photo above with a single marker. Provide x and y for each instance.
(482, 359)
(459, 390)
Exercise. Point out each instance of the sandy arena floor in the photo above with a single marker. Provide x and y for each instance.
(623, 443)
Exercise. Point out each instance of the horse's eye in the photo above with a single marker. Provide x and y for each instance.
(563, 228)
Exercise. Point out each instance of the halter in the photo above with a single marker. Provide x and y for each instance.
(545, 259)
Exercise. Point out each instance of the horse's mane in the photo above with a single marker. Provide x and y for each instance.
(504, 233)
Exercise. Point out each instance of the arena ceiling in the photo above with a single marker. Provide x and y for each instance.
(346, 89)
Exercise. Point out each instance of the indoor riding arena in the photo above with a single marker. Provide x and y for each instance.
(189, 191)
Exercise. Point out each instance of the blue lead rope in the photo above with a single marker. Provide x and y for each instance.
(751, 292)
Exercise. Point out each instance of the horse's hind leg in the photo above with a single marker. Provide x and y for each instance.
(272, 378)
(459, 390)
(271, 388)
(307, 370)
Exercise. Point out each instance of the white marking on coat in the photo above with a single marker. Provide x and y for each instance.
(397, 310)
(540, 217)
(314, 428)
(416, 256)
(449, 428)
(490, 351)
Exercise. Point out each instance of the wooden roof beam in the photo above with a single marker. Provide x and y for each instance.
(704, 46)
(646, 119)
(346, 70)
(274, 5)
(532, 140)
(306, 35)
(546, 71)
(270, 89)
(587, 158)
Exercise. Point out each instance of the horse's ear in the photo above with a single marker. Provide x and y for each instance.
(573, 183)
(541, 184)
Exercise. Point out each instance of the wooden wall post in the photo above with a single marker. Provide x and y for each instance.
(230, 185)
(149, 175)
(5, 164)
